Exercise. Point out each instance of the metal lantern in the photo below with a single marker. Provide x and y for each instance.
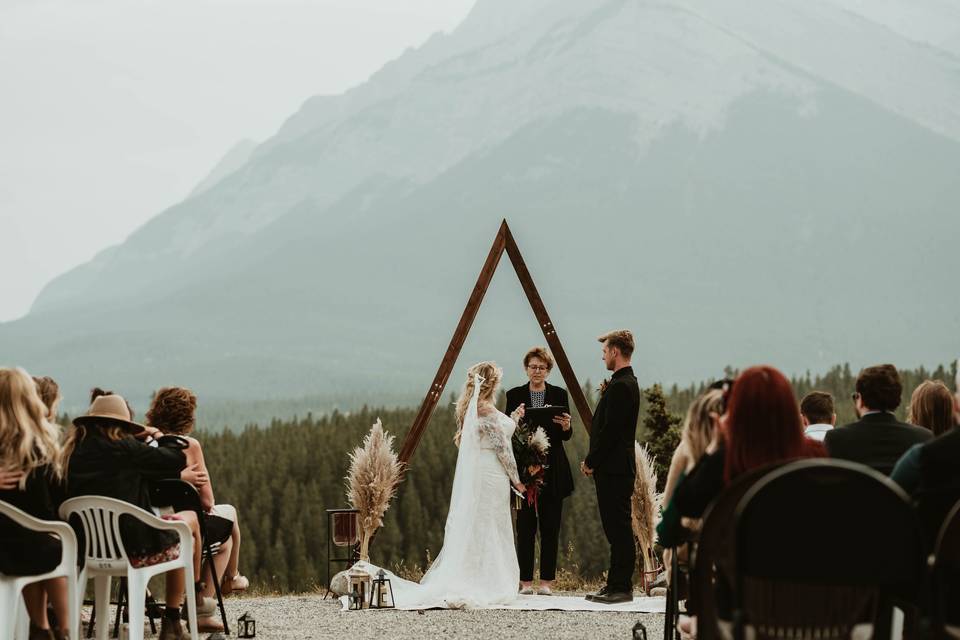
(381, 593)
(639, 631)
(359, 588)
(246, 626)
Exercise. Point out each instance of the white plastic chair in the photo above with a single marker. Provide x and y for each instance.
(12, 610)
(106, 557)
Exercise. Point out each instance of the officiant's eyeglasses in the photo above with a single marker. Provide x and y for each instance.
(537, 367)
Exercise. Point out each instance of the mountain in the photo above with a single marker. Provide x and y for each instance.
(736, 185)
(235, 158)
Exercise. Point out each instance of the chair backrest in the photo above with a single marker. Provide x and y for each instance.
(99, 517)
(933, 505)
(715, 547)
(818, 542)
(946, 569)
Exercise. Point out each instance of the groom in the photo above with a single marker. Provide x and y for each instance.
(612, 463)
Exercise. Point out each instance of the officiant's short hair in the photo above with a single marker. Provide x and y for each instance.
(621, 339)
(541, 353)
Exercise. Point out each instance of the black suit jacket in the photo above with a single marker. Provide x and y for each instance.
(876, 440)
(558, 480)
(614, 428)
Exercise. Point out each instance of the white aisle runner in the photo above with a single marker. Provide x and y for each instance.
(563, 603)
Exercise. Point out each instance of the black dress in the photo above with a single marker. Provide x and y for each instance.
(123, 469)
(24, 552)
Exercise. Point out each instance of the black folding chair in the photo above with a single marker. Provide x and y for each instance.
(711, 559)
(182, 496)
(821, 546)
(945, 573)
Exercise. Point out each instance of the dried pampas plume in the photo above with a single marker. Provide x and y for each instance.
(372, 481)
(645, 505)
(540, 441)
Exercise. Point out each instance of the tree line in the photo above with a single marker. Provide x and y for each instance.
(283, 476)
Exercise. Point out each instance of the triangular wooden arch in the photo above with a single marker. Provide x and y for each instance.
(503, 242)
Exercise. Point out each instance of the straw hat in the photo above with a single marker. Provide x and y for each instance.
(109, 408)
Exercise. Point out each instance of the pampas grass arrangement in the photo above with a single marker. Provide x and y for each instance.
(372, 481)
(645, 504)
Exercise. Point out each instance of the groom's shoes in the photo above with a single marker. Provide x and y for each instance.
(602, 592)
(606, 596)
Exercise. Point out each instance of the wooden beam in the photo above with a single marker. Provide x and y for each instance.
(549, 331)
(413, 436)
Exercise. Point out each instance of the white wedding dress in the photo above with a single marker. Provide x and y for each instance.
(477, 566)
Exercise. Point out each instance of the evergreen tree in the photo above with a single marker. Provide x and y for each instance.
(661, 430)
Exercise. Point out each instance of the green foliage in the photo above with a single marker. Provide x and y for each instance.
(661, 431)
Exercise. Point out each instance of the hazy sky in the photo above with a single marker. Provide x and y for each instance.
(112, 110)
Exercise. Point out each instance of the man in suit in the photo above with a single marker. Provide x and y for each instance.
(612, 463)
(878, 439)
(558, 480)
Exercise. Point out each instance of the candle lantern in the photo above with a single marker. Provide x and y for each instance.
(381, 593)
(639, 631)
(359, 588)
(246, 626)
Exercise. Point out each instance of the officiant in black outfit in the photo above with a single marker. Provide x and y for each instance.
(558, 480)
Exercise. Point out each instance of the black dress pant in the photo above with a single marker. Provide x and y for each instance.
(613, 498)
(548, 518)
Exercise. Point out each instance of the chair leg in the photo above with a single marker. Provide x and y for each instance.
(23, 620)
(136, 596)
(102, 605)
(9, 604)
(216, 588)
(121, 601)
(73, 606)
(191, 600)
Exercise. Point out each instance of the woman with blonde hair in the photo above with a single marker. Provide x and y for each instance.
(477, 565)
(29, 448)
(696, 435)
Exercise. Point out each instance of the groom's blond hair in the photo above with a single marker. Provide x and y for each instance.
(622, 339)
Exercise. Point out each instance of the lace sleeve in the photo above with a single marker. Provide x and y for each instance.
(491, 431)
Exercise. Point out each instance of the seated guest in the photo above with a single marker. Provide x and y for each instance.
(29, 456)
(104, 455)
(816, 411)
(173, 412)
(697, 434)
(878, 439)
(558, 480)
(762, 425)
(936, 463)
(49, 392)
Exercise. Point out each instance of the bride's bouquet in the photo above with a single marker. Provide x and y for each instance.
(530, 451)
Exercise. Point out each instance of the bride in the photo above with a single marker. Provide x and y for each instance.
(477, 565)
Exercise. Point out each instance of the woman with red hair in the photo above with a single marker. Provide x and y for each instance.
(761, 426)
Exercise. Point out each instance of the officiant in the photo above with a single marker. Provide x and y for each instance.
(545, 516)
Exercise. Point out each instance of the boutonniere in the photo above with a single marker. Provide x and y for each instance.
(603, 386)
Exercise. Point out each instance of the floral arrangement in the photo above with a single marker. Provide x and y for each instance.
(530, 449)
(372, 480)
(645, 504)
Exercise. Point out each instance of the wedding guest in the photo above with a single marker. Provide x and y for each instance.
(173, 412)
(558, 480)
(878, 439)
(697, 433)
(105, 455)
(762, 425)
(29, 456)
(818, 415)
(936, 463)
(49, 392)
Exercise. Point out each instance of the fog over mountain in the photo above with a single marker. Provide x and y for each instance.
(737, 185)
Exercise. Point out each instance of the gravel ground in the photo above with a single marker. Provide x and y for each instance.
(313, 617)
